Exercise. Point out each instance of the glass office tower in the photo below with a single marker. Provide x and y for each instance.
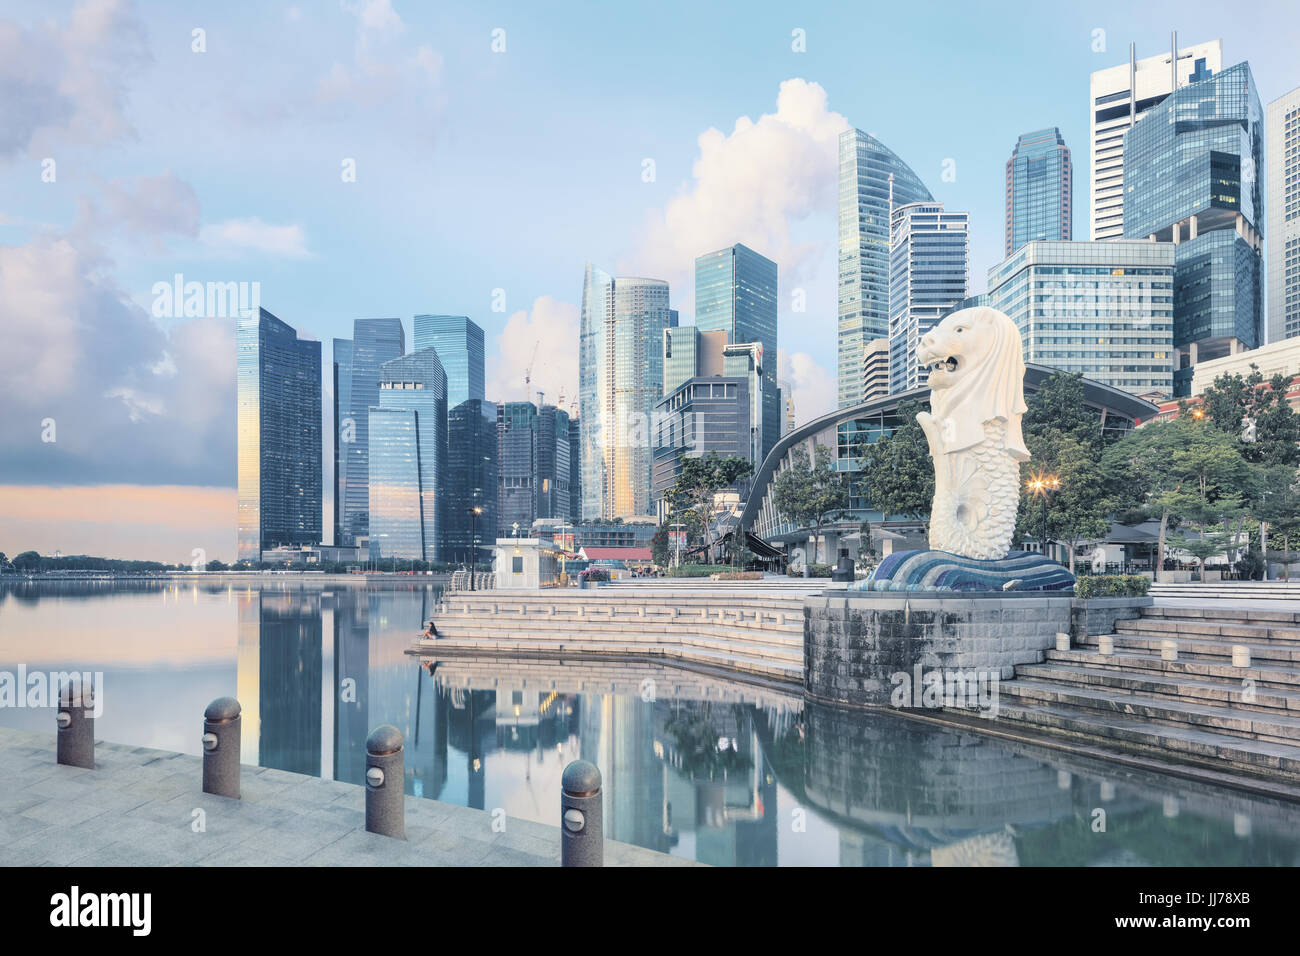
(1282, 123)
(872, 182)
(929, 264)
(620, 378)
(1039, 184)
(552, 462)
(1191, 177)
(408, 454)
(342, 362)
(471, 482)
(460, 348)
(278, 427)
(735, 292)
(374, 342)
(1103, 309)
(517, 440)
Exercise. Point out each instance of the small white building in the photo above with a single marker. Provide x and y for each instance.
(526, 563)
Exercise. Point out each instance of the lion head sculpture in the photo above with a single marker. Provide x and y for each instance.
(977, 374)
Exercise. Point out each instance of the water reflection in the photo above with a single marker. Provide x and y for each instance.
(723, 772)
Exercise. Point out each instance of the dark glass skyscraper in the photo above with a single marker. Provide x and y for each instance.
(374, 342)
(735, 292)
(342, 363)
(278, 389)
(408, 454)
(873, 181)
(1191, 177)
(471, 481)
(1039, 185)
(553, 483)
(460, 347)
(517, 464)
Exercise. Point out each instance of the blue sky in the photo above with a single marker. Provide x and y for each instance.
(479, 170)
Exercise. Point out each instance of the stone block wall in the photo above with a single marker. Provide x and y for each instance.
(1092, 616)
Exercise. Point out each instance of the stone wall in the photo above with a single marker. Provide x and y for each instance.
(1092, 616)
(855, 645)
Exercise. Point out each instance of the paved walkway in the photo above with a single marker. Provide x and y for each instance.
(138, 808)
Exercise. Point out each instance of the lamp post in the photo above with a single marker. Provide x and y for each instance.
(473, 542)
(1042, 486)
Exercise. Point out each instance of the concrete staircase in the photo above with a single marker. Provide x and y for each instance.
(1198, 709)
(1230, 591)
(718, 630)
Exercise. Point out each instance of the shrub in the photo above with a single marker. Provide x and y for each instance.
(1112, 585)
(698, 570)
(814, 571)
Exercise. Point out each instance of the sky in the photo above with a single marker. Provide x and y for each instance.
(386, 158)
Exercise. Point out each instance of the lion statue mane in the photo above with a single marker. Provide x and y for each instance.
(976, 378)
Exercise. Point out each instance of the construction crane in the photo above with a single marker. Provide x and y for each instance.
(573, 405)
(528, 372)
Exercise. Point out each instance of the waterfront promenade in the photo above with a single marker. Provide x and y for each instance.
(144, 807)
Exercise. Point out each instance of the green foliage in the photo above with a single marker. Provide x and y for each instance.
(1111, 585)
(1059, 406)
(811, 494)
(690, 500)
(814, 571)
(898, 469)
(659, 546)
(1234, 400)
(697, 570)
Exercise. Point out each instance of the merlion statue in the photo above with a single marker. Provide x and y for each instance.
(977, 374)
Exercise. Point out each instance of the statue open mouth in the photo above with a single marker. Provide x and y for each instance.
(945, 365)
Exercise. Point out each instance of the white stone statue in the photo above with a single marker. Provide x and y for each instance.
(977, 375)
(1098, 559)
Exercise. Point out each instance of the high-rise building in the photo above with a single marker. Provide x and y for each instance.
(1039, 186)
(408, 456)
(1119, 96)
(517, 441)
(278, 427)
(459, 342)
(928, 269)
(575, 470)
(1103, 309)
(553, 471)
(735, 292)
(374, 342)
(872, 182)
(1191, 177)
(875, 369)
(1282, 153)
(689, 352)
(342, 362)
(620, 378)
(471, 482)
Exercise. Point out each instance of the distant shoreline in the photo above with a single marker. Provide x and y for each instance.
(233, 577)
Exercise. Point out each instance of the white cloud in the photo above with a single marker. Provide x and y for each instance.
(813, 387)
(752, 186)
(66, 82)
(235, 237)
(550, 327)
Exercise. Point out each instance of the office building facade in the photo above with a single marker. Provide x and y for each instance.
(735, 292)
(620, 379)
(342, 370)
(459, 343)
(875, 369)
(929, 259)
(872, 181)
(374, 342)
(1039, 188)
(1119, 97)
(471, 482)
(1282, 153)
(408, 458)
(278, 431)
(1102, 309)
(1191, 171)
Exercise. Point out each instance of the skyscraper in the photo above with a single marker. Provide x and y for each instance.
(1282, 152)
(875, 369)
(620, 378)
(735, 292)
(553, 487)
(342, 363)
(460, 348)
(408, 454)
(575, 470)
(1120, 95)
(928, 273)
(517, 441)
(1103, 309)
(1191, 178)
(1039, 184)
(872, 181)
(374, 342)
(471, 481)
(278, 424)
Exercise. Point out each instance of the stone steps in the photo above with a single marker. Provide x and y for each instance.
(1237, 615)
(756, 646)
(1270, 675)
(1230, 591)
(1211, 693)
(1262, 632)
(1182, 742)
(1207, 648)
(628, 629)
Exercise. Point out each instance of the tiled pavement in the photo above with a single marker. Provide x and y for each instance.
(140, 807)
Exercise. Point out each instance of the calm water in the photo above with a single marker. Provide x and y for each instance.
(718, 771)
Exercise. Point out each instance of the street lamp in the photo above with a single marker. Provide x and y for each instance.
(1041, 486)
(473, 542)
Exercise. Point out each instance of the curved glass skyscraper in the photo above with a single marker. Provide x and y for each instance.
(873, 181)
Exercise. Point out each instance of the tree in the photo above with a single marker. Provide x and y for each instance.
(811, 494)
(27, 561)
(1079, 509)
(1058, 405)
(659, 546)
(699, 482)
(1255, 411)
(898, 471)
(1279, 510)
